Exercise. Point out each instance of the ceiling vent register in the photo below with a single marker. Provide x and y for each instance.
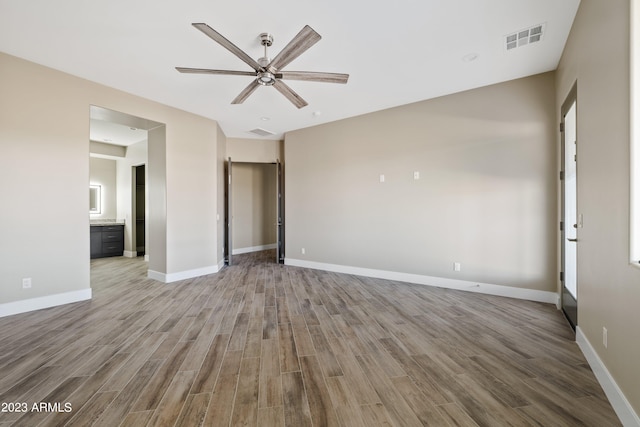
(261, 132)
(524, 37)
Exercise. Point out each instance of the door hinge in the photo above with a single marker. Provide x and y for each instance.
(561, 126)
(562, 276)
(561, 175)
(561, 225)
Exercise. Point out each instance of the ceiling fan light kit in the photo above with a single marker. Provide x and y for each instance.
(266, 79)
(268, 72)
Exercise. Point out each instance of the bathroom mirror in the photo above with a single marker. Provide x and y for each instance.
(94, 199)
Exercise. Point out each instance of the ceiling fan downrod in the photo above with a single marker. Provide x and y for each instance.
(265, 78)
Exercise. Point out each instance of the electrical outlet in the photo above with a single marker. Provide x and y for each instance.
(26, 283)
(604, 337)
(303, 251)
(416, 175)
(456, 266)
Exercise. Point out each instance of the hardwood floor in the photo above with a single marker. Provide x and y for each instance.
(262, 344)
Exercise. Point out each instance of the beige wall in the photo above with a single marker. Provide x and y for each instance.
(254, 205)
(597, 57)
(101, 148)
(254, 150)
(44, 175)
(486, 195)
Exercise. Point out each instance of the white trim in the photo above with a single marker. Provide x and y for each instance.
(32, 304)
(620, 404)
(156, 275)
(130, 254)
(634, 121)
(442, 282)
(146, 257)
(221, 264)
(254, 249)
(182, 275)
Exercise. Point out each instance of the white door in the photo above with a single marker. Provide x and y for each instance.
(569, 209)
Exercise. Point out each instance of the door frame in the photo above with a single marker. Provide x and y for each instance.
(228, 242)
(135, 244)
(279, 213)
(568, 303)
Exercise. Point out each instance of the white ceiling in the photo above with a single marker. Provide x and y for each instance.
(396, 52)
(115, 133)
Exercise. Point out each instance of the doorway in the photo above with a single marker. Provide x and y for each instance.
(139, 160)
(570, 220)
(253, 220)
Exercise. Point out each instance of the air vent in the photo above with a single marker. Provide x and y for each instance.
(262, 132)
(524, 37)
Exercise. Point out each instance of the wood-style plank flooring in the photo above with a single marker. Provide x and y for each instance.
(261, 344)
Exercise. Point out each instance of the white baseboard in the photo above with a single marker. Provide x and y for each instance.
(221, 264)
(182, 275)
(621, 405)
(32, 304)
(146, 257)
(462, 285)
(130, 254)
(254, 249)
(156, 275)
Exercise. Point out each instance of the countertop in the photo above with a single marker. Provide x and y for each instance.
(105, 222)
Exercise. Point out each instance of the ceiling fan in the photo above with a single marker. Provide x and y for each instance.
(269, 72)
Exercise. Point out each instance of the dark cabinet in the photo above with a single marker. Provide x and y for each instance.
(107, 240)
(96, 242)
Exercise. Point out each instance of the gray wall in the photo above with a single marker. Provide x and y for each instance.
(486, 195)
(597, 57)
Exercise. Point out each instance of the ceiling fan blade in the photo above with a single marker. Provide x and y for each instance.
(246, 92)
(216, 36)
(306, 38)
(210, 71)
(312, 76)
(290, 94)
